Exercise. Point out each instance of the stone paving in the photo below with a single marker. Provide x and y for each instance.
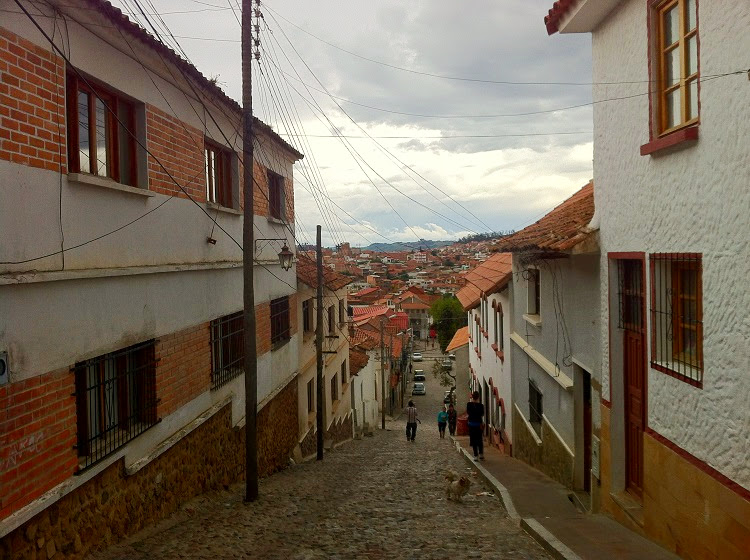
(379, 497)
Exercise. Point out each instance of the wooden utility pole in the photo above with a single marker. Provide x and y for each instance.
(390, 372)
(319, 344)
(248, 250)
(382, 373)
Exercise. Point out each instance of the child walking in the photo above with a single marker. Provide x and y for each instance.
(442, 421)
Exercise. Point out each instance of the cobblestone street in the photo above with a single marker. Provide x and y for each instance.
(380, 497)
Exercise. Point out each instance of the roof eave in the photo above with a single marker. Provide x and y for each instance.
(577, 16)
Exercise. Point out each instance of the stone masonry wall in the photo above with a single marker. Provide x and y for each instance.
(550, 457)
(112, 506)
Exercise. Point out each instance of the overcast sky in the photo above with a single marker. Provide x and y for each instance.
(486, 177)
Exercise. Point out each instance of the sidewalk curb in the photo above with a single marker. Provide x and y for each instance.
(502, 491)
(547, 540)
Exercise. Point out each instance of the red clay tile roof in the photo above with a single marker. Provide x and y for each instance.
(556, 13)
(459, 339)
(487, 278)
(366, 291)
(357, 360)
(561, 229)
(414, 306)
(124, 23)
(307, 273)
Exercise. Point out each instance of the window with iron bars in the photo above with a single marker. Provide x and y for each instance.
(227, 348)
(115, 400)
(677, 315)
(630, 295)
(535, 407)
(279, 321)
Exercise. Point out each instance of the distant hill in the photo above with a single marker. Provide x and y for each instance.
(424, 244)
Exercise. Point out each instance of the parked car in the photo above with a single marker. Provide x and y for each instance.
(446, 363)
(419, 377)
(416, 357)
(450, 397)
(419, 389)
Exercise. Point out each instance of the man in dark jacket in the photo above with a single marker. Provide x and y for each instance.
(475, 411)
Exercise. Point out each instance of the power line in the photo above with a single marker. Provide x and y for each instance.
(523, 135)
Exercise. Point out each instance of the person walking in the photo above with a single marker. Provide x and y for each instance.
(411, 421)
(442, 421)
(452, 419)
(475, 411)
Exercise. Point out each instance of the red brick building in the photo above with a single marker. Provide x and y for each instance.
(121, 286)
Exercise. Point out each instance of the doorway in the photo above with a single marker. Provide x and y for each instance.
(633, 322)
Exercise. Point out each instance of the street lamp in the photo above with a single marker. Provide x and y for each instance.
(285, 257)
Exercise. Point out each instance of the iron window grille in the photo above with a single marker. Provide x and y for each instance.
(227, 348)
(630, 295)
(115, 400)
(279, 321)
(677, 315)
(535, 407)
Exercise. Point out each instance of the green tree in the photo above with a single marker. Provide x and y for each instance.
(404, 276)
(447, 316)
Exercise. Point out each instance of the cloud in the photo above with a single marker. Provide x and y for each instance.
(500, 173)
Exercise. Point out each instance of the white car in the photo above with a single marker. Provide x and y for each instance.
(416, 357)
(419, 389)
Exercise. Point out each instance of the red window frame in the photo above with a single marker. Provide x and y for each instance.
(219, 183)
(121, 140)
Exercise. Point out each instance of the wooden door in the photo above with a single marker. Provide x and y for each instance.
(634, 372)
(586, 431)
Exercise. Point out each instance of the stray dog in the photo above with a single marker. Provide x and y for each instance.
(457, 486)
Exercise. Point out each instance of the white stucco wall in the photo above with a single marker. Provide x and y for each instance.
(490, 366)
(693, 200)
(331, 362)
(569, 331)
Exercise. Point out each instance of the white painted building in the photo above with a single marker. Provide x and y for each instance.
(486, 297)
(671, 166)
(554, 340)
(337, 380)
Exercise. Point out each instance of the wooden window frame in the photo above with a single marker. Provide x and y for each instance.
(276, 196)
(534, 288)
(132, 376)
(660, 53)
(112, 102)
(332, 320)
(335, 388)
(221, 190)
(311, 396)
(668, 353)
(307, 316)
(227, 348)
(344, 377)
(280, 332)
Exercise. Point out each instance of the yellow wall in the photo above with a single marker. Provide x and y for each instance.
(685, 509)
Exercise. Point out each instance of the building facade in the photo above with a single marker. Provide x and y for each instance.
(337, 380)
(554, 341)
(121, 291)
(671, 168)
(486, 299)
